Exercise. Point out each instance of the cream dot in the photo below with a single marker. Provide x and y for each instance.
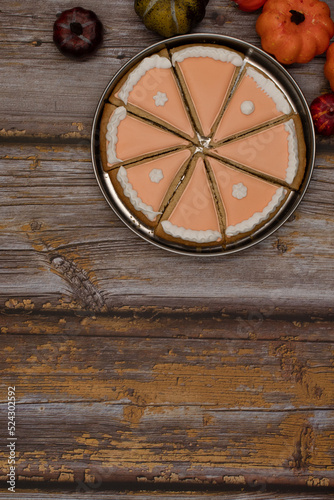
(247, 107)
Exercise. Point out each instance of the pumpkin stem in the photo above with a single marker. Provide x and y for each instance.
(297, 17)
(76, 28)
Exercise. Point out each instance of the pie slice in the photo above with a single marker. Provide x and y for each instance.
(129, 137)
(151, 91)
(277, 152)
(192, 214)
(206, 74)
(146, 186)
(255, 101)
(247, 202)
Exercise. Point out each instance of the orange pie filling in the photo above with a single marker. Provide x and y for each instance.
(195, 217)
(247, 200)
(146, 184)
(129, 137)
(152, 88)
(255, 102)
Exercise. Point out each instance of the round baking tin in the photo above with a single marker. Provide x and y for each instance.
(282, 79)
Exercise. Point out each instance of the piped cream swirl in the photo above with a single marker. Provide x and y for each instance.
(270, 89)
(132, 194)
(190, 234)
(216, 53)
(293, 162)
(258, 217)
(146, 64)
(118, 115)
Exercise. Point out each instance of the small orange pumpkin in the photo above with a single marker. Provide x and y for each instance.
(329, 66)
(295, 30)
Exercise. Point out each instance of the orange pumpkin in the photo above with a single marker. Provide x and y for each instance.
(329, 66)
(295, 30)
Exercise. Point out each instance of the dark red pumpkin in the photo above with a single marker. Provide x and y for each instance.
(77, 32)
(322, 110)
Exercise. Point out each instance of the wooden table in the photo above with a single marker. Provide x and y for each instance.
(139, 372)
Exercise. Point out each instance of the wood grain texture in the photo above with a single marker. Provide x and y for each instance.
(231, 374)
(166, 410)
(263, 323)
(138, 372)
(111, 443)
(96, 493)
(78, 250)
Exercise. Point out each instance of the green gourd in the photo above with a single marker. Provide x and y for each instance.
(170, 17)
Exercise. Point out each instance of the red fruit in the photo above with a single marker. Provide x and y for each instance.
(322, 110)
(77, 32)
(249, 5)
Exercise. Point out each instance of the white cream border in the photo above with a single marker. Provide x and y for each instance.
(293, 154)
(216, 53)
(145, 65)
(270, 89)
(258, 217)
(111, 136)
(190, 234)
(130, 193)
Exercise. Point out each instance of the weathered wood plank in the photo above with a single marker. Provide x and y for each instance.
(94, 491)
(50, 95)
(264, 323)
(165, 444)
(129, 409)
(61, 243)
(226, 374)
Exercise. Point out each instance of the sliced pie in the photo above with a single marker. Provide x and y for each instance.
(255, 102)
(128, 137)
(150, 90)
(147, 185)
(206, 73)
(192, 214)
(276, 152)
(247, 202)
(202, 148)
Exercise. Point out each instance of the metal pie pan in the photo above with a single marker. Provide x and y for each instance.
(258, 58)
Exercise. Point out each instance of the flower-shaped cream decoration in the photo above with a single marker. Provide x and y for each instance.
(156, 175)
(239, 191)
(160, 99)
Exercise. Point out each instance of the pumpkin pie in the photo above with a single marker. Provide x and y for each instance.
(201, 146)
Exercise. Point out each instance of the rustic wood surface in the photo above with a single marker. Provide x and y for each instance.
(95, 493)
(138, 372)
